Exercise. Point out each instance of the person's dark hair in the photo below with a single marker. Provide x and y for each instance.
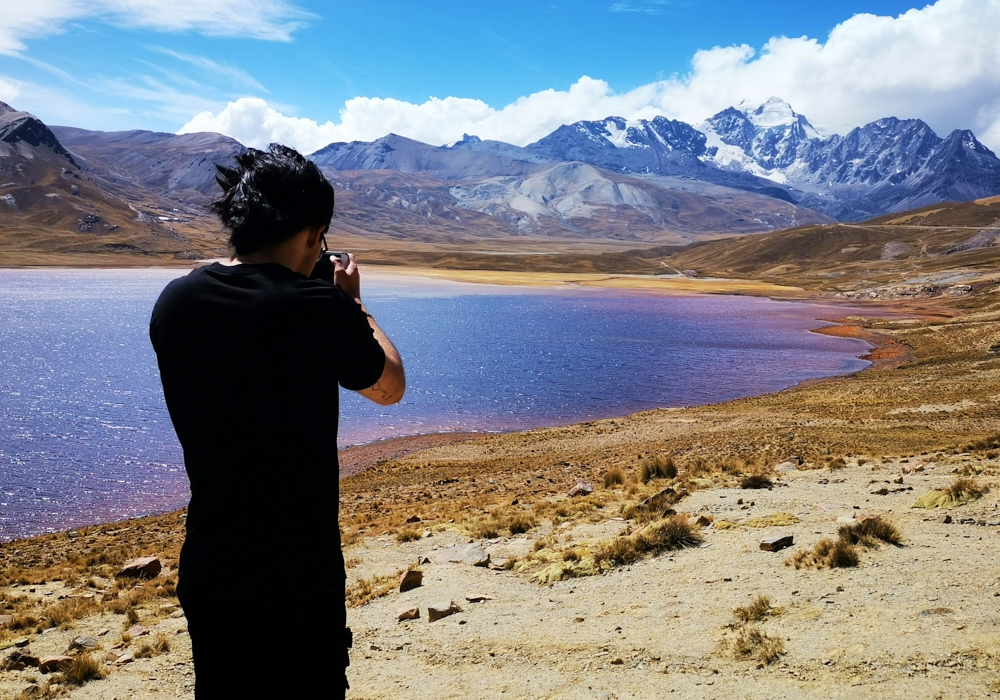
(271, 196)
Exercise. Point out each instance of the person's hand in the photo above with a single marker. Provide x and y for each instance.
(348, 279)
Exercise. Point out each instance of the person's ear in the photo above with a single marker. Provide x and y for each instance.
(312, 240)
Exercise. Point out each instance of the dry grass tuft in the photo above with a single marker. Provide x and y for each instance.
(486, 528)
(751, 643)
(673, 532)
(836, 463)
(963, 489)
(756, 481)
(158, 645)
(614, 477)
(655, 507)
(870, 533)
(519, 523)
(408, 535)
(825, 554)
(368, 589)
(85, 668)
(759, 609)
(658, 467)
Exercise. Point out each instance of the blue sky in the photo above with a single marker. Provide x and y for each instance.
(118, 64)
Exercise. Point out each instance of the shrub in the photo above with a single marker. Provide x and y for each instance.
(870, 532)
(658, 467)
(84, 668)
(519, 523)
(408, 535)
(828, 554)
(673, 532)
(964, 489)
(756, 481)
(758, 610)
(836, 463)
(614, 477)
(753, 644)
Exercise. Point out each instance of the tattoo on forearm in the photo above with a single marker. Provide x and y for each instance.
(377, 388)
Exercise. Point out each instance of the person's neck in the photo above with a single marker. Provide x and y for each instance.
(291, 259)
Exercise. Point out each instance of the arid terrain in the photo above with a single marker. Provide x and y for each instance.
(650, 580)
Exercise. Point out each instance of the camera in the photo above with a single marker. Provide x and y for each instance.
(324, 267)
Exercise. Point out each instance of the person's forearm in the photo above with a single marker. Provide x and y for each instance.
(391, 385)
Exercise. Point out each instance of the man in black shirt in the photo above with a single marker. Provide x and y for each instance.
(251, 356)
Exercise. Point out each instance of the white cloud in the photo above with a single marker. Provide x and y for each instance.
(940, 63)
(259, 19)
(9, 90)
(217, 69)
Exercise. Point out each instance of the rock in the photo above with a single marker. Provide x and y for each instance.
(48, 664)
(774, 544)
(408, 614)
(126, 658)
(18, 660)
(898, 480)
(411, 579)
(6, 621)
(83, 643)
(617, 661)
(700, 520)
(582, 488)
(144, 567)
(846, 519)
(473, 554)
(413, 519)
(880, 492)
(946, 519)
(499, 564)
(993, 523)
(137, 631)
(787, 467)
(21, 643)
(438, 610)
(177, 614)
(478, 597)
(968, 521)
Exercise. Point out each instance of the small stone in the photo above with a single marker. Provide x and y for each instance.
(126, 658)
(103, 631)
(177, 614)
(898, 480)
(83, 643)
(577, 619)
(993, 523)
(847, 519)
(617, 661)
(144, 567)
(700, 521)
(498, 564)
(946, 519)
(788, 466)
(438, 610)
(582, 488)
(478, 597)
(774, 544)
(408, 614)
(137, 631)
(411, 579)
(413, 519)
(48, 664)
(21, 643)
(880, 492)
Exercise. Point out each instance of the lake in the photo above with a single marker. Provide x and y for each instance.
(85, 436)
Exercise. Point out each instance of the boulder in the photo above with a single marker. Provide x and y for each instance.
(83, 643)
(408, 614)
(18, 660)
(144, 567)
(700, 520)
(478, 597)
(472, 553)
(137, 631)
(438, 610)
(582, 488)
(48, 664)
(410, 579)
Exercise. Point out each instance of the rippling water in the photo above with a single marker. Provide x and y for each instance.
(85, 436)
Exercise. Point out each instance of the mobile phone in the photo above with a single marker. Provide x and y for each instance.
(345, 259)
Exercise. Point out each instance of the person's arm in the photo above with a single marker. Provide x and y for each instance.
(391, 386)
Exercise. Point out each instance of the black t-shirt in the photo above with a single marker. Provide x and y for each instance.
(250, 357)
